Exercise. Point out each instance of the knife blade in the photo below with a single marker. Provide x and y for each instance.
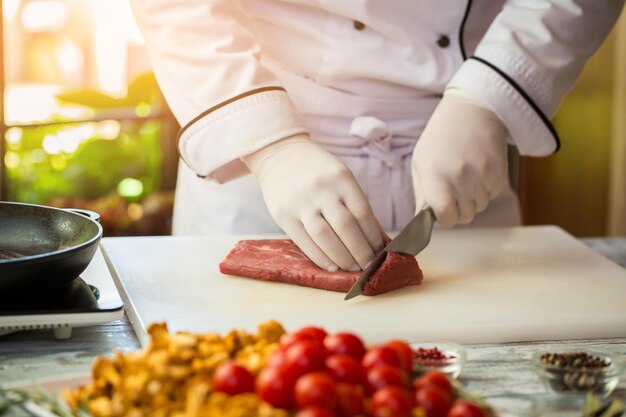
(411, 240)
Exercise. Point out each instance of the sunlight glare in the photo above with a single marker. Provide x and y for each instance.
(40, 15)
(110, 42)
(11, 160)
(14, 135)
(26, 103)
(10, 8)
(130, 187)
(109, 129)
(71, 137)
(69, 57)
(51, 145)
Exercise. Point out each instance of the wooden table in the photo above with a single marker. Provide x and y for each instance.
(500, 372)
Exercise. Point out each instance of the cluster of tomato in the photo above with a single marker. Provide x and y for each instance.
(322, 375)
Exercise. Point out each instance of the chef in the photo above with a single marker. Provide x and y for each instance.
(351, 115)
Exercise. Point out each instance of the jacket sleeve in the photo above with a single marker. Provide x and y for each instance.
(207, 64)
(531, 55)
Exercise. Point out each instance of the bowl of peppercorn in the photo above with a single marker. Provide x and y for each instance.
(445, 357)
(572, 370)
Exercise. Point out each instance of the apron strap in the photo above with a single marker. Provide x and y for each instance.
(375, 139)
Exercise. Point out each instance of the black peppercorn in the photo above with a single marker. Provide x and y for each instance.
(575, 371)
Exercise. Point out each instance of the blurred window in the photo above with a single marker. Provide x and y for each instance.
(82, 121)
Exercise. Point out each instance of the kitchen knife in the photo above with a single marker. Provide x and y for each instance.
(411, 240)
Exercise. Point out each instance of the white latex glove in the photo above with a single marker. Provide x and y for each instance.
(460, 162)
(315, 199)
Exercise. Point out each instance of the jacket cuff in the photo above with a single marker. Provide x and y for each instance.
(212, 143)
(529, 128)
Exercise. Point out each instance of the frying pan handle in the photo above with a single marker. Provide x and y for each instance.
(87, 213)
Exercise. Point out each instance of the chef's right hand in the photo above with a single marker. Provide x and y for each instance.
(316, 200)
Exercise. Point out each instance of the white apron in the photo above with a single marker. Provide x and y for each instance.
(373, 137)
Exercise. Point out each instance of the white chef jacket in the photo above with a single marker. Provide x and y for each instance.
(361, 77)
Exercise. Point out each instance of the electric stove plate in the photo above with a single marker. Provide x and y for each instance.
(90, 299)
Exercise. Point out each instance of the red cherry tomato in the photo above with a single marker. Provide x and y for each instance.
(386, 376)
(316, 389)
(391, 402)
(306, 356)
(463, 408)
(233, 379)
(344, 343)
(316, 333)
(277, 360)
(315, 412)
(344, 368)
(436, 379)
(433, 400)
(382, 355)
(275, 386)
(289, 339)
(351, 401)
(405, 353)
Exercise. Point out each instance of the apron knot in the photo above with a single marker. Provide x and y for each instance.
(375, 139)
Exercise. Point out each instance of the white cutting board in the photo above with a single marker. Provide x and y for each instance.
(480, 285)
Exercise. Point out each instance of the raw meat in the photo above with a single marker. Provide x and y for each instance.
(282, 261)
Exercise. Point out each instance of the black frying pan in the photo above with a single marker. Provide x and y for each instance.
(42, 247)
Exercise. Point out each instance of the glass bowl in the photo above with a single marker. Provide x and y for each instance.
(560, 368)
(445, 357)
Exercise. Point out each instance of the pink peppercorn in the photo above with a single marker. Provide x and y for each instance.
(431, 356)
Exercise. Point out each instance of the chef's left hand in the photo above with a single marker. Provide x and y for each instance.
(460, 162)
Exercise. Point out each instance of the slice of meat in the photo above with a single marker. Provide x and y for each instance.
(282, 261)
(397, 270)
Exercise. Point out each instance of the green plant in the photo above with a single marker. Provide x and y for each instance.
(93, 163)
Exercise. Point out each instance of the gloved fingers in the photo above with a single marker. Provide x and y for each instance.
(357, 204)
(494, 173)
(349, 232)
(299, 235)
(439, 195)
(496, 185)
(471, 192)
(481, 199)
(466, 207)
(325, 238)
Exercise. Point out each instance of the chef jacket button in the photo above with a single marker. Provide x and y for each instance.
(358, 25)
(443, 41)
